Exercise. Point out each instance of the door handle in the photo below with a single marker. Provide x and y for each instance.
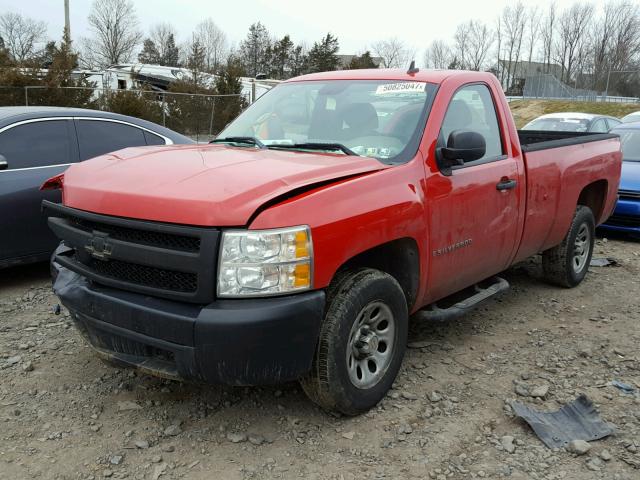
(506, 184)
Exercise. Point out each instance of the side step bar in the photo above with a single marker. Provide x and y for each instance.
(462, 302)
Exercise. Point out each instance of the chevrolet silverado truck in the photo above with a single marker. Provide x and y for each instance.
(298, 244)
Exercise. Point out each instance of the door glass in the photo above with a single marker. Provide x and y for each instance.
(36, 144)
(612, 123)
(153, 139)
(472, 109)
(599, 126)
(97, 137)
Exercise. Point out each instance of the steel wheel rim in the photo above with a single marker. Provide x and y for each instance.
(581, 247)
(371, 345)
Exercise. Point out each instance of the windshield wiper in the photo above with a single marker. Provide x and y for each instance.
(316, 146)
(248, 140)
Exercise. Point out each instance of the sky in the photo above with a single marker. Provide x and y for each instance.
(356, 23)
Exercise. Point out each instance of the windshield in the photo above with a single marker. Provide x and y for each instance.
(630, 140)
(558, 124)
(382, 119)
(631, 118)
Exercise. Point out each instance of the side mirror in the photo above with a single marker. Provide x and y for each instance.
(3, 163)
(462, 146)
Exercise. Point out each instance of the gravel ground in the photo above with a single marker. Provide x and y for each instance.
(64, 414)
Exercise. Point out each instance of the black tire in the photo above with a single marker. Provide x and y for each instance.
(349, 299)
(560, 264)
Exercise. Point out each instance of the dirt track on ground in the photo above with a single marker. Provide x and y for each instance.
(66, 415)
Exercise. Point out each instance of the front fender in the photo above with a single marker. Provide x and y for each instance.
(355, 215)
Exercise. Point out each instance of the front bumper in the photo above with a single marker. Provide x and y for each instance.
(625, 218)
(235, 342)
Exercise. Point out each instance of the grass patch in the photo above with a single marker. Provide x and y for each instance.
(526, 110)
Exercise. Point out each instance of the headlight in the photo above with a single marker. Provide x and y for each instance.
(265, 262)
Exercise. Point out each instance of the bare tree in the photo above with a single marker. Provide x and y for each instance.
(215, 44)
(513, 23)
(548, 33)
(533, 30)
(573, 25)
(114, 26)
(438, 55)
(480, 40)
(21, 35)
(393, 52)
(615, 41)
(498, 46)
(461, 42)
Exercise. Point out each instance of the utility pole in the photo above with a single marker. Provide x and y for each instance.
(67, 24)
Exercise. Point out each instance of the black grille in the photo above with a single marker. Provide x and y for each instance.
(145, 237)
(630, 194)
(176, 262)
(624, 221)
(147, 276)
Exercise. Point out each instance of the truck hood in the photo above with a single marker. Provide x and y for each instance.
(630, 178)
(207, 185)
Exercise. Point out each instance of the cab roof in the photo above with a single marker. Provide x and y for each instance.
(423, 75)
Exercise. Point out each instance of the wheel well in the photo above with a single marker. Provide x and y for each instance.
(593, 196)
(399, 258)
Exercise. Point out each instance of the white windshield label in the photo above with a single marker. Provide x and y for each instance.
(402, 87)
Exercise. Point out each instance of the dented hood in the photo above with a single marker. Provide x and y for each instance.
(209, 185)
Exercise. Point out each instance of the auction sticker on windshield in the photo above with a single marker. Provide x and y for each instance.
(401, 87)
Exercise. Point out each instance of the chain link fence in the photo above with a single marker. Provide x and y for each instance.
(547, 86)
(199, 116)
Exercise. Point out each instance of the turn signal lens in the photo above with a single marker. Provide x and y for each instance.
(302, 276)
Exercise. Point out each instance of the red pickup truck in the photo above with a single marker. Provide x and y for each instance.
(297, 245)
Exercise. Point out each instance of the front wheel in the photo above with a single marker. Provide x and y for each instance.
(567, 264)
(362, 342)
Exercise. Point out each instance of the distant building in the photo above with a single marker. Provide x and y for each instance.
(513, 74)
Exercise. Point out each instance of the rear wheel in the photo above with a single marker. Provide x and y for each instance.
(567, 264)
(362, 342)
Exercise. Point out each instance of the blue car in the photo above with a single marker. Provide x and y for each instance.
(626, 217)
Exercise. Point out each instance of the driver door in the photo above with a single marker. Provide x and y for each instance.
(474, 210)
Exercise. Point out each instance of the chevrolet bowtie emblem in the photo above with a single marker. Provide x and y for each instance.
(99, 246)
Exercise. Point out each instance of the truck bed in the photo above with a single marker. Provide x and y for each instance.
(534, 140)
(559, 165)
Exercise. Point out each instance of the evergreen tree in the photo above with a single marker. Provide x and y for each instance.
(228, 83)
(455, 64)
(298, 61)
(281, 58)
(196, 63)
(60, 74)
(254, 50)
(171, 56)
(149, 53)
(362, 61)
(12, 79)
(191, 114)
(323, 56)
(46, 57)
(5, 60)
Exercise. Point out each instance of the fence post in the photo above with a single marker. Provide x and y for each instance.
(213, 106)
(164, 96)
(26, 96)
